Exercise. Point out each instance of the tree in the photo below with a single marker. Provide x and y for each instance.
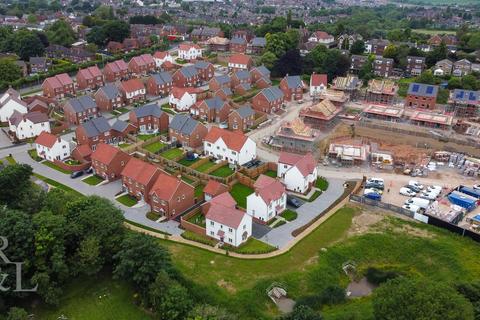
(302, 313)
(29, 45)
(208, 312)
(61, 33)
(9, 71)
(174, 304)
(358, 47)
(116, 30)
(292, 37)
(454, 83)
(17, 314)
(390, 51)
(474, 41)
(426, 77)
(469, 82)
(404, 298)
(437, 54)
(89, 258)
(277, 43)
(290, 63)
(14, 180)
(268, 59)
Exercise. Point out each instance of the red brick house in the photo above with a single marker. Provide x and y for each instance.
(205, 70)
(79, 110)
(114, 47)
(108, 161)
(240, 61)
(240, 77)
(218, 82)
(160, 84)
(242, 118)
(130, 44)
(213, 188)
(116, 70)
(211, 110)
(238, 45)
(261, 77)
(58, 86)
(89, 78)
(141, 65)
(186, 76)
(421, 95)
(132, 91)
(149, 118)
(170, 196)
(138, 177)
(292, 88)
(268, 100)
(108, 98)
(98, 130)
(187, 131)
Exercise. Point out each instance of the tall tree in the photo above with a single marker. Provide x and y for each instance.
(358, 47)
(268, 59)
(29, 45)
(9, 71)
(61, 33)
(14, 180)
(290, 63)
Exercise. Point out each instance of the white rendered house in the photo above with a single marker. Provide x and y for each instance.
(160, 57)
(182, 99)
(234, 147)
(268, 200)
(51, 147)
(28, 125)
(297, 172)
(189, 51)
(9, 102)
(318, 84)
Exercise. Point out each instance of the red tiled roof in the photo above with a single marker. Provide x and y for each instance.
(161, 54)
(322, 35)
(229, 217)
(239, 58)
(178, 92)
(143, 59)
(132, 85)
(46, 139)
(186, 46)
(224, 199)
(233, 139)
(268, 188)
(84, 150)
(139, 171)
(214, 188)
(90, 72)
(166, 185)
(318, 79)
(306, 164)
(105, 153)
(117, 66)
(64, 78)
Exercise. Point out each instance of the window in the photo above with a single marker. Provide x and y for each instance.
(212, 233)
(212, 223)
(230, 230)
(230, 240)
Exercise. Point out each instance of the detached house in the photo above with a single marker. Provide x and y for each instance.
(58, 86)
(415, 65)
(318, 84)
(421, 95)
(257, 46)
(141, 65)
(108, 98)
(160, 57)
(9, 103)
(298, 172)
(115, 71)
(211, 110)
(261, 77)
(138, 178)
(182, 99)
(187, 131)
(292, 88)
(28, 125)
(98, 130)
(38, 65)
(109, 161)
(132, 91)
(205, 70)
(225, 222)
(50, 147)
(239, 61)
(321, 37)
(242, 118)
(149, 118)
(160, 84)
(213, 188)
(186, 76)
(189, 51)
(268, 100)
(79, 110)
(170, 196)
(268, 200)
(238, 45)
(89, 78)
(464, 103)
(219, 82)
(234, 147)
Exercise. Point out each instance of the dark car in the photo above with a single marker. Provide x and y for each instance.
(373, 196)
(294, 202)
(88, 171)
(413, 188)
(373, 185)
(76, 174)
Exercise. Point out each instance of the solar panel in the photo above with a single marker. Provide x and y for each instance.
(472, 96)
(415, 88)
(460, 94)
(429, 90)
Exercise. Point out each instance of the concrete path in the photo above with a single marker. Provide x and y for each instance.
(280, 236)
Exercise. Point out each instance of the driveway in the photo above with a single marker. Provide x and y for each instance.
(280, 236)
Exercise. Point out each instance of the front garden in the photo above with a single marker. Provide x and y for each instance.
(93, 180)
(127, 200)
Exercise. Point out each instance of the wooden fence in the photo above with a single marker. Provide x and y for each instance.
(72, 167)
(185, 224)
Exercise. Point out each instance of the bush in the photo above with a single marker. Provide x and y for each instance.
(377, 276)
(330, 295)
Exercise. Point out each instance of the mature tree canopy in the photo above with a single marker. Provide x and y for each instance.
(268, 59)
(290, 63)
(9, 71)
(61, 33)
(358, 47)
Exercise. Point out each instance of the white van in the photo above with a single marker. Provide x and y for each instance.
(411, 207)
(415, 184)
(376, 180)
(422, 203)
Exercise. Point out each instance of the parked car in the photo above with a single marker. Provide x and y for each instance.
(416, 184)
(411, 207)
(428, 195)
(476, 186)
(294, 202)
(434, 188)
(374, 185)
(76, 174)
(422, 203)
(376, 180)
(373, 196)
(88, 171)
(413, 188)
(379, 191)
(407, 192)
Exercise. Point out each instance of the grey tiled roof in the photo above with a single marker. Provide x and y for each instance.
(151, 109)
(263, 70)
(82, 104)
(259, 42)
(110, 91)
(215, 103)
(189, 71)
(120, 125)
(223, 79)
(242, 74)
(162, 78)
(238, 40)
(183, 124)
(272, 93)
(245, 111)
(96, 126)
(294, 82)
(201, 64)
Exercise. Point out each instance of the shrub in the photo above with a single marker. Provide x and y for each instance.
(377, 276)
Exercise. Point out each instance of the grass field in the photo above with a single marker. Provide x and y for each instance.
(172, 153)
(186, 162)
(253, 246)
(145, 137)
(433, 32)
(224, 171)
(271, 173)
(187, 180)
(155, 146)
(124, 145)
(289, 215)
(240, 192)
(127, 200)
(33, 154)
(58, 185)
(54, 166)
(321, 184)
(199, 190)
(93, 180)
(205, 166)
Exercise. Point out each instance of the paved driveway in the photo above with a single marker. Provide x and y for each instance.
(280, 236)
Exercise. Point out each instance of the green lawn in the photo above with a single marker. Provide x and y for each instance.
(289, 215)
(271, 173)
(240, 192)
(145, 137)
(198, 219)
(33, 154)
(199, 190)
(127, 200)
(433, 32)
(187, 180)
(172, 153)
(205, 166)
(94, 298)
(54, 166)
(321, 184)
(279, 223)
(72, 162)
(10, 160)
(155, 146)
(199, 238)
(224, 171)
(124, 145)
(152, 216)
(314, 196)
(93, 180)
(253, 246)
(58, 185)
(186, 162)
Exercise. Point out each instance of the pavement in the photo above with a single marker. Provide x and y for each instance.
(279, 237)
